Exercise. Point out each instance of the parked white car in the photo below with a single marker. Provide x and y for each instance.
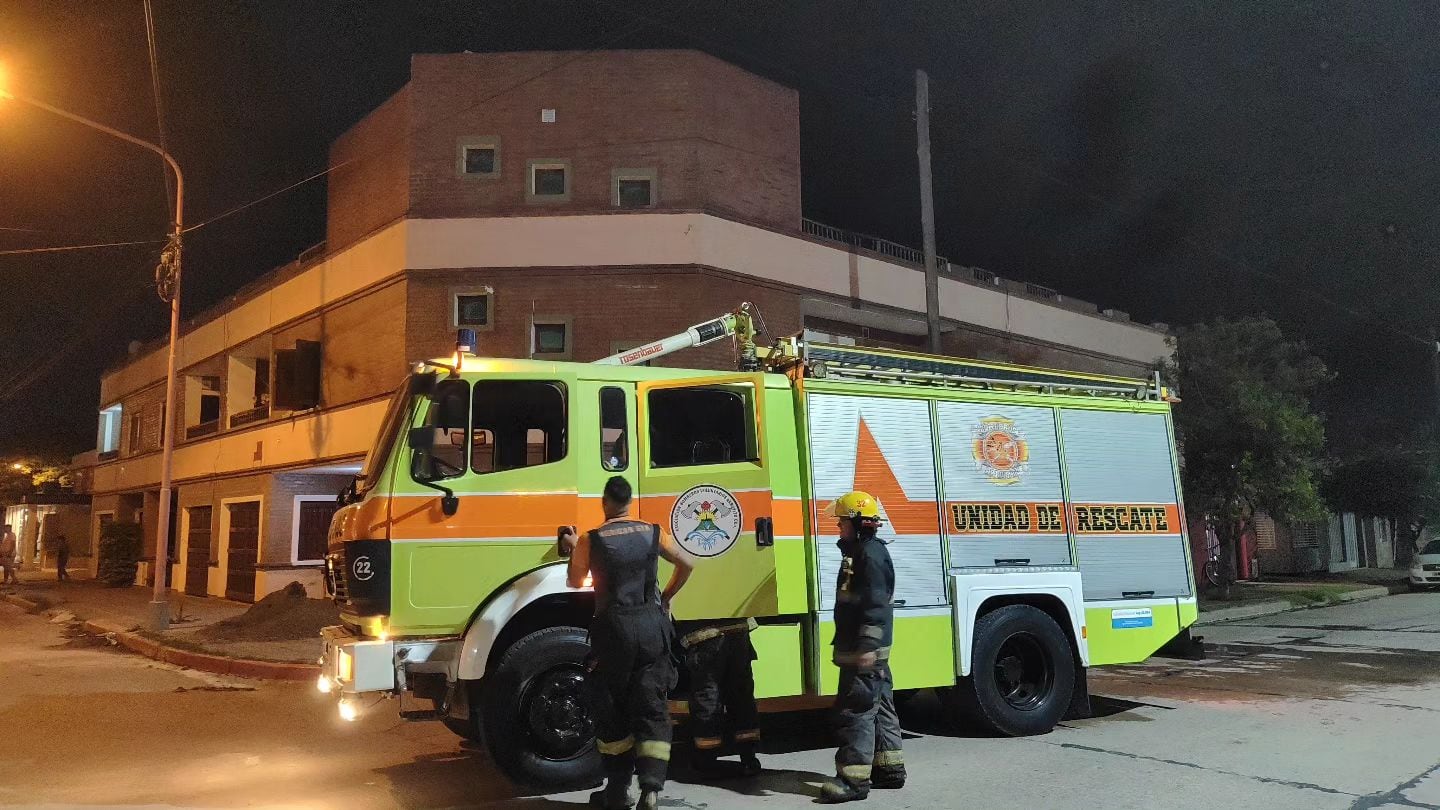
(1425, 570)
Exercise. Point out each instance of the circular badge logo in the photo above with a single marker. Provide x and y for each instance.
(706, 520)
(1001, 452)
(363, 570)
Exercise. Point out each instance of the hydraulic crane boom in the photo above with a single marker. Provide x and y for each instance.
(738, 323)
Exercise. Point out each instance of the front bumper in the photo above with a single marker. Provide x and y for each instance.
(1424, 577)
(353, 664)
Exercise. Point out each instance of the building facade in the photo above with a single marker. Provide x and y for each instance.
(619, 197)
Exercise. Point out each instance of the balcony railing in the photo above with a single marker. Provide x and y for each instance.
(202, 429)
(874, 244)
(251, 416)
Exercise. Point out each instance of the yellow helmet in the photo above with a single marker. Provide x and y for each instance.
(855, 505)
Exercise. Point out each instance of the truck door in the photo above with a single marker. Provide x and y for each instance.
(704, 476)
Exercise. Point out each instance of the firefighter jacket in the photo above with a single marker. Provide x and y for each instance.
(864, 616)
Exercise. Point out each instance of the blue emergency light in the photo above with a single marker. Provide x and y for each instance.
(465, 341)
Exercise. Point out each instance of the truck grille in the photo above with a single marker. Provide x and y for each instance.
(336, 581)
(358, 577)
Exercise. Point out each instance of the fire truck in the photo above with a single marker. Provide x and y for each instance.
(1034, 519)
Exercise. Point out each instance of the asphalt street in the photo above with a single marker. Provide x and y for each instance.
(1331, 708)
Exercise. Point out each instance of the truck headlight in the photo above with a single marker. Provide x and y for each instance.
(348, 710)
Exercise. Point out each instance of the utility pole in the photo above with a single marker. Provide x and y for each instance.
(167, 282)
(927, 209)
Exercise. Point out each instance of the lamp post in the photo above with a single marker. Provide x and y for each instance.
(167, 281)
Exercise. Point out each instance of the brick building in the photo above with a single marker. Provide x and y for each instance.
(616, 198)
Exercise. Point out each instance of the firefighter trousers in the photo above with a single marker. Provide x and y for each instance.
(630, 685)
(722, 693)
(868, 727)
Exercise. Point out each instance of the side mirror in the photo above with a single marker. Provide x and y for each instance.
(421, 438)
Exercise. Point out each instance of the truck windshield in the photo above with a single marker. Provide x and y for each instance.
(402, 405)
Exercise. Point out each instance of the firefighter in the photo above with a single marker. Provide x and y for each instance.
(630, 637)
(722, 692)
(869, 729)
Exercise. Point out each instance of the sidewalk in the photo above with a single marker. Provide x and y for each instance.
(123, 612)
(1283, 594)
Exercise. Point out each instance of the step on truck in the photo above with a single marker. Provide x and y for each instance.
(1034, 519)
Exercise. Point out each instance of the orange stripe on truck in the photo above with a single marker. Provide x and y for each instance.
(538, 515)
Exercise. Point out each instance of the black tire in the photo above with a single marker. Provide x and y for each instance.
(537, 723)
(1022, 673)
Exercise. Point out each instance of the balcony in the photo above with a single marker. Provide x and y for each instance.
(251, 416)
(972, 275)
(202, 429)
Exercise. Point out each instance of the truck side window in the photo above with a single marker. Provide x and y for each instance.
(517, 424)
(445, 416)
(614, 453)
(694, 426)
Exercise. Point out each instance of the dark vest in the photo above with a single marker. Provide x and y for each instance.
(624, 555)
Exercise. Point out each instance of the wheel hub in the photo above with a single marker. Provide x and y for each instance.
(556, 714)
(1023, 672)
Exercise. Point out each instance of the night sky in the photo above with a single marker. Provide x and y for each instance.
(1178, 161)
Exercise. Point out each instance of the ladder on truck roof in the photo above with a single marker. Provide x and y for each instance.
(830, 361)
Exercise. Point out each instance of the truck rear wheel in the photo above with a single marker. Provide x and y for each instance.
(1022, 672)
(537, 722)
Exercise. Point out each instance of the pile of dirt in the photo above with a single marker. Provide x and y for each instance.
(285, 615)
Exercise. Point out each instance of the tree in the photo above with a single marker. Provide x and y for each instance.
(28, 476)
(1391, 476)
(1251, 440)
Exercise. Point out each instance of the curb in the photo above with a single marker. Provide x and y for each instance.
(1223, 615)
(205, 662)
(22, 603)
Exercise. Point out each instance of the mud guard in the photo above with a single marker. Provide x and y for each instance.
(1079, 696)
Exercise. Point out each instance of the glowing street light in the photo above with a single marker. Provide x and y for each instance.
(167, 282)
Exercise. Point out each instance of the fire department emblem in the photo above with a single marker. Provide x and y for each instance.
(706, 520)
(1001, 452)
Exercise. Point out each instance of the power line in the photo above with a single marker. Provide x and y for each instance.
(159, 107)
(384, 145)
(63, 248)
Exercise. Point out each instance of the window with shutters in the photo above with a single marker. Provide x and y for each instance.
(1265, 533)
(312, 528)
(1305, 535)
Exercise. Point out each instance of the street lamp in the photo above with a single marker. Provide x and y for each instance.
(167, 282)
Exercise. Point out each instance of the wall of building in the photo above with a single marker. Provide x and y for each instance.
(607, 308)
(280, 300)
(369, 186)
(362, 342)
(613, 110)
(678, 240)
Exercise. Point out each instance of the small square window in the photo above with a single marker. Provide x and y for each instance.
(634, 188)
(472, 310)
(479, 160)
(477, 157)
(549, 182)
(550, 338)
(634, 193)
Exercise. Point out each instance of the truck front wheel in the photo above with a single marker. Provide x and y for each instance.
(537, 721)
(1022, 672)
